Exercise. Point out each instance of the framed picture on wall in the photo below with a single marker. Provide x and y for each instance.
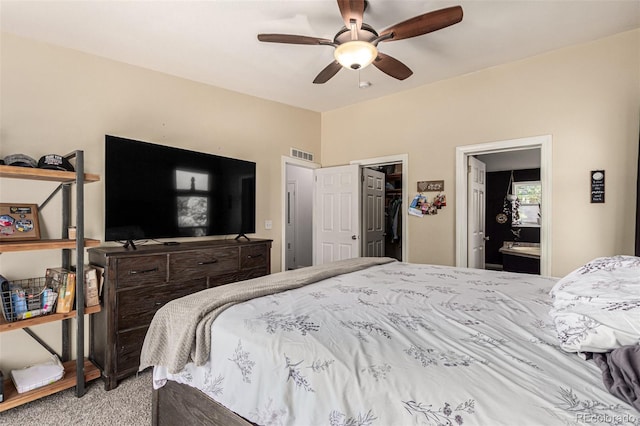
(19, 221)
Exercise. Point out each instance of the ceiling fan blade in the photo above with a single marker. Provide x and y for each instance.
(351, 9)
(392, 66)
(425, 23)
(293, 39)
(326, 74)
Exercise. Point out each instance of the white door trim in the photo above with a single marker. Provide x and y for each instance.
(391, 159)
(462, 152)
(283, 206)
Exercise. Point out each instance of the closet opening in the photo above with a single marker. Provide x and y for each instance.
(393, 217)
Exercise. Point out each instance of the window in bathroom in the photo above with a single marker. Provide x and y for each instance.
(527, 205)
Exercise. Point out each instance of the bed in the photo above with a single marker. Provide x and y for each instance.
(373, 341)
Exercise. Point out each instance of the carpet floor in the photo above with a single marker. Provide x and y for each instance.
(128, 404)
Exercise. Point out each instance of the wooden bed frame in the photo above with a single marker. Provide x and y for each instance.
(175, 404)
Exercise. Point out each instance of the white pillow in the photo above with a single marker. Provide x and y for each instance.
(596, 308)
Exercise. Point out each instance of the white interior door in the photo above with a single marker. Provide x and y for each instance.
(476, 190)
(373, 230)
(336, 213)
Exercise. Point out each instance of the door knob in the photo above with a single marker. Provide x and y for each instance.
(353, 237)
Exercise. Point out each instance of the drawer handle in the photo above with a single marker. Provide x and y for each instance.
(209, 262)
(254, 256)
(144, 271)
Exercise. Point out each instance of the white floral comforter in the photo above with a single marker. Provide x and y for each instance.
(402, 344)
(596, 308)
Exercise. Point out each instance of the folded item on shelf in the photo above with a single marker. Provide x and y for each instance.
(38, 375)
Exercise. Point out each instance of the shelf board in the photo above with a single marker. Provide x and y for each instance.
(13, 399)
(43, 319)
(7, 246)
(16, 172)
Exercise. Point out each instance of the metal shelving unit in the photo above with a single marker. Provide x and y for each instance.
(80, 370)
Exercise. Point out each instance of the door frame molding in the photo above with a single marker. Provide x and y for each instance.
(543, 143)
(392, 159)
(284, 161)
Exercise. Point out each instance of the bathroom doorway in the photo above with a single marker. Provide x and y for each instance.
(512, 205)
(541, 143)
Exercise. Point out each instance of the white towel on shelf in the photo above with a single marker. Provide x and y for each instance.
(38, 375)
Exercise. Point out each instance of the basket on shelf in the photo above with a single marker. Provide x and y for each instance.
(29, 298)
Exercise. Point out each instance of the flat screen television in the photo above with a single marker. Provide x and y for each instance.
(156, 191)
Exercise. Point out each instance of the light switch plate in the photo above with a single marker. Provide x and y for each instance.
(268, 224)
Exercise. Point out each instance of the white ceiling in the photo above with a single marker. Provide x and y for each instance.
(511, 160)
(215, 42)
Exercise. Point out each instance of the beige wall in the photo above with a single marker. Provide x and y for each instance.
(587, 97)
(57, 100)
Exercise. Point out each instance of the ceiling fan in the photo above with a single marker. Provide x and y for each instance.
(356, 44)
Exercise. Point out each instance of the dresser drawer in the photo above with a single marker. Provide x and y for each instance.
(128, 348)
(137, 306)
(221, 279)
(202, 263)
(253, 257)
(252, 273)
(141, 270)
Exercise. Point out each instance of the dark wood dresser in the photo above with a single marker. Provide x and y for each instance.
(138, 282)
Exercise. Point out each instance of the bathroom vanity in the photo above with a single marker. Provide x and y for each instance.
(521, 257)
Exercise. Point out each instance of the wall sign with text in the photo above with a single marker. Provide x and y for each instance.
(431, 186)
(597, 186)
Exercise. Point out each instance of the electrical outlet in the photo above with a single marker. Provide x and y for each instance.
(268, 224)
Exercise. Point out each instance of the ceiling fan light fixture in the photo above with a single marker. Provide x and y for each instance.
(355, 54)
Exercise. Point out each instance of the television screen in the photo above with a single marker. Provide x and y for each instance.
(157, 191)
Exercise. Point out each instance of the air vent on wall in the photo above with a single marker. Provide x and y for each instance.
(296, 153)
